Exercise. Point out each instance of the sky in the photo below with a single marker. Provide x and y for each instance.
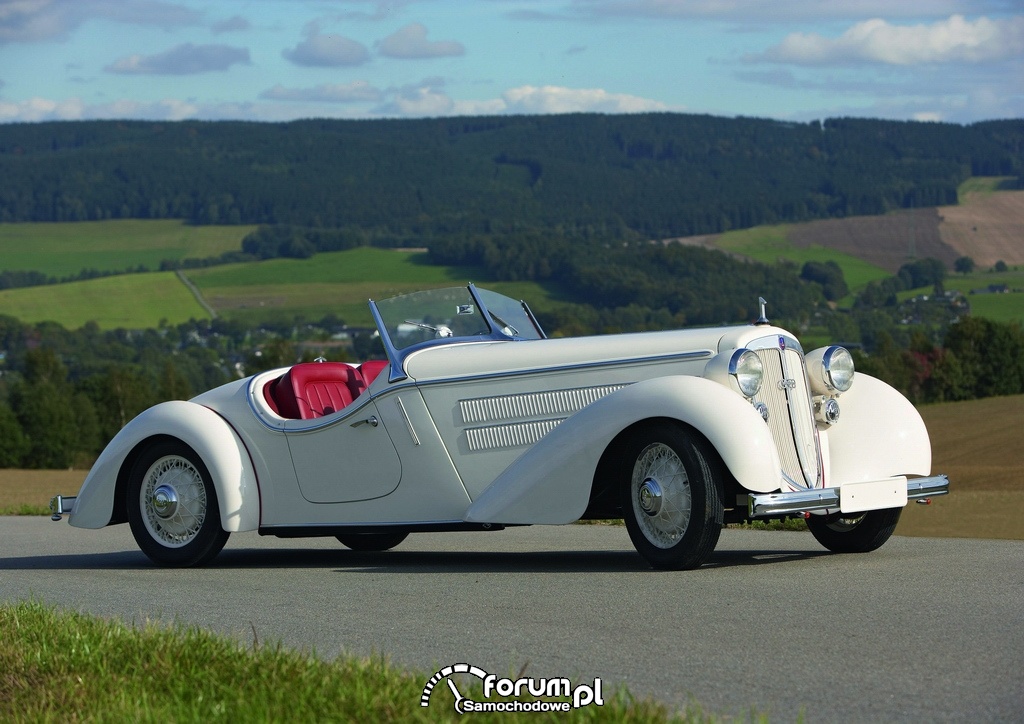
(956, 61)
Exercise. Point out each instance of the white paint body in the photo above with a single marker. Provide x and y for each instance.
(500, 432)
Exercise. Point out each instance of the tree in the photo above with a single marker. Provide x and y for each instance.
(964, 265)
(13, 443)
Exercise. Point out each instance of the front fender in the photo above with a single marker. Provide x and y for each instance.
(551, 482)
(200, 428)
(879, 435)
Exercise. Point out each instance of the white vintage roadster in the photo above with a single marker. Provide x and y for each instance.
(476, 421)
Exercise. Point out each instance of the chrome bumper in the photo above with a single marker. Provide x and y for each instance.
(801, 501)
(61, 504)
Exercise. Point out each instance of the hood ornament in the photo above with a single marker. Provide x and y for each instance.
(763, 319)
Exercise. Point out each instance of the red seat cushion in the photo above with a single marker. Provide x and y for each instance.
(368, 372)
(315, 389)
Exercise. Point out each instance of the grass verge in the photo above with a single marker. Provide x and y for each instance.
(61, 666)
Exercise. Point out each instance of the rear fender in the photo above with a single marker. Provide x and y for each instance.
(200, 428)
(551, 482)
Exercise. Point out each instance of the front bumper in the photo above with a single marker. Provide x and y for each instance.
(850, 498)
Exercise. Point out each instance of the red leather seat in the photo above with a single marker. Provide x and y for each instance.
(314, 389)
(368, 372)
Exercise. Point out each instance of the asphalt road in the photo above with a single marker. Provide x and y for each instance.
(921, 630)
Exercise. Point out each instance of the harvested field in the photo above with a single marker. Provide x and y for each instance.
(987, 227)
(888, 241)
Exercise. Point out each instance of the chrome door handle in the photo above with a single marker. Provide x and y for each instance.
(372, 421)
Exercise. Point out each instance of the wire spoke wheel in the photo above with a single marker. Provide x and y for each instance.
(172, 506)
(671, 487)
(174, 500)
(660, 491)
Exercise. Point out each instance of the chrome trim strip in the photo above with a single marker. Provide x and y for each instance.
(408, 422)
(802, 501)
(672, 356)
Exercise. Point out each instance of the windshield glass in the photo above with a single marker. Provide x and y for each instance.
(433, 314)
(451, 313)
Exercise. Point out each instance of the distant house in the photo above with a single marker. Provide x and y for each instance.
(993, 289)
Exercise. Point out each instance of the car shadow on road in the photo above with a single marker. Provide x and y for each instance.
(399, 561)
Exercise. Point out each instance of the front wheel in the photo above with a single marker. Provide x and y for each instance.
(857, 533)
(671, 496)
(172, 506)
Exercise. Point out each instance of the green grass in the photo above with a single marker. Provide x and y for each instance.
(997, 307)
(134, 301)
(340, 283)
(983, 185)
(62, 250)
(55, 666)
(769, 244)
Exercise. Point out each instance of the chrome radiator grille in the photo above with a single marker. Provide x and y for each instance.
(784, 390)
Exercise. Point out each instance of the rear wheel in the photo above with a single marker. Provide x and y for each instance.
(371, 541)
(671, 495)
(856, 533)
(172, 506)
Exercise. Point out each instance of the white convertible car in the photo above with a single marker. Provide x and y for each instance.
(476, 421)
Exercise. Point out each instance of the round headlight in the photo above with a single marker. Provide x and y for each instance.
(746, 368)
(837, 368)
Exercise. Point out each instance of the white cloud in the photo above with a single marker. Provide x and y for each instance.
(327, 50)
(73, 109)
(745, 11)
(356, 92)
(230, 25)
(27, 21)
(556, 99)
(954, 40)
(186, 59)
(411, 42)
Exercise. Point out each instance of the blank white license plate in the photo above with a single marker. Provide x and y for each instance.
(873, 495)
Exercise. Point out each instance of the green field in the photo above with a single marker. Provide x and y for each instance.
(132, 301)
(339, 283)
(63, 250)
(770, 244)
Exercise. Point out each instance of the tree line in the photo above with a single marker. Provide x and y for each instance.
(390, 182)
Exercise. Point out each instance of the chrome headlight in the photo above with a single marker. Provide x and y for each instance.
(747, 370)
(830, 370)
(837, 365)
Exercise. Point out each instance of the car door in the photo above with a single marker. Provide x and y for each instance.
(340, 459)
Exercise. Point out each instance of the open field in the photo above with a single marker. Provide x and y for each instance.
(976, 443)
(988, 225)
(62, 250)
(769, 244)
(340, 283)
(132, 301)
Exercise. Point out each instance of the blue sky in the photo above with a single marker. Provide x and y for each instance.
(273, 60)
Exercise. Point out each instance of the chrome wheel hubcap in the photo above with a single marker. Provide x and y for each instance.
(173, 500)
(650, 497)
(165, 501)
(660, 491)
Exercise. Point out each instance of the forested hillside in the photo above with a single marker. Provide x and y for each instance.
(395, 181)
